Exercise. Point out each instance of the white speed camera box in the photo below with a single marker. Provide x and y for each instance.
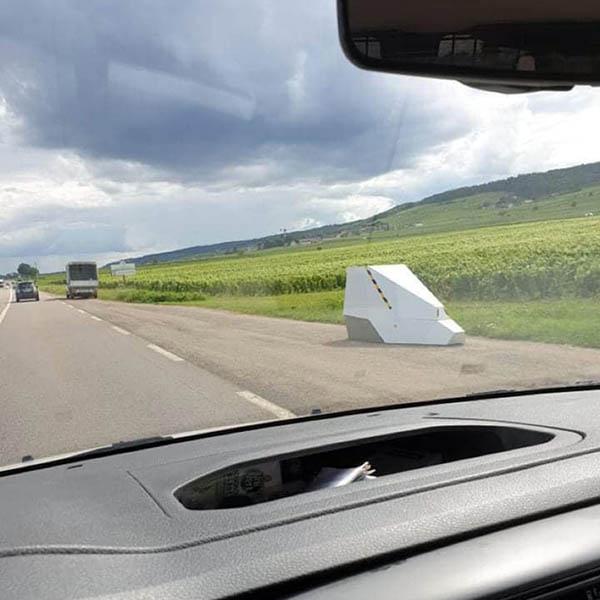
(390, 304)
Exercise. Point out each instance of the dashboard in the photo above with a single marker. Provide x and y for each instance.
(486, 498)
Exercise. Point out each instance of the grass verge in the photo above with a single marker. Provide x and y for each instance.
(573, 321)
(568, 321)
(132, 295)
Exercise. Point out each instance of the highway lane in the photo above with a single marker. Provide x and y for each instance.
(81, 373)
(69, 382)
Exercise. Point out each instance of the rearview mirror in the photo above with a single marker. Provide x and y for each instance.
(502, 45)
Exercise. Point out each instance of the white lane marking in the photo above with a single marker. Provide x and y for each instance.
(96, 318)
(5, 309)
(70, 306)
(279, 411)
(121, 330)
(81, 311)
(166, 353)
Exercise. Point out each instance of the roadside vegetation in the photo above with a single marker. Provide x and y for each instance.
(556, 259)
(534, 281)
(515, 259)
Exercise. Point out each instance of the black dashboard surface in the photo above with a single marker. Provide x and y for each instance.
(112, 527)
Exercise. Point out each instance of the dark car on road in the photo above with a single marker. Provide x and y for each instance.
(27, 290)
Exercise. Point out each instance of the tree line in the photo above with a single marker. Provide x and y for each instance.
(24, 271)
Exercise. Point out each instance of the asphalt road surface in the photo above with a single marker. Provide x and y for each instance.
(82, 373)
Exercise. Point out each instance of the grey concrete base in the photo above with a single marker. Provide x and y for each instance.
(361, 330)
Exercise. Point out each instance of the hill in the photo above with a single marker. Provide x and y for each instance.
(558, 194)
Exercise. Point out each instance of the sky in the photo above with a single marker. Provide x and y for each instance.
(130, 127)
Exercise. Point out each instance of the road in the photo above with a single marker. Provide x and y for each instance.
(82, 373)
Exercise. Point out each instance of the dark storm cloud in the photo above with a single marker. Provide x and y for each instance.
(201, 87)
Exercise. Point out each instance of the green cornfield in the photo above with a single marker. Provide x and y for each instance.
(552, 259)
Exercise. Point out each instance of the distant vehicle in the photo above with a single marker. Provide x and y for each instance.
(82, 280)
(1, 282)
(27, 290)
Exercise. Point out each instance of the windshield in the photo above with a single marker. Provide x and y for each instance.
(277, 233)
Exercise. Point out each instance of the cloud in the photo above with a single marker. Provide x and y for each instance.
(144, 86)
(70, 238)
